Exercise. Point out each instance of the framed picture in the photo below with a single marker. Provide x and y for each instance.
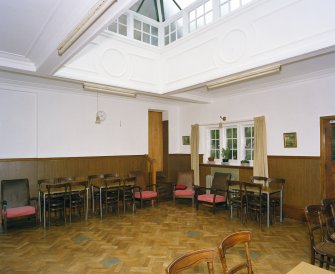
(290, 139)
(186, 140)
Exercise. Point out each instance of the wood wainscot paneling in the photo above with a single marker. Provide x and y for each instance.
(44, 168)
(303, 187)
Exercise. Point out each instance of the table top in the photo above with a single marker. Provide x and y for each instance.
(265, 189)
(304, 268)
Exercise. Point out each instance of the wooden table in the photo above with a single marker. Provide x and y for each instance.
(306, 268)
(43, 193)
(268, 191)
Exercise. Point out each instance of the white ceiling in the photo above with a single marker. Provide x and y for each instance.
(31, 31)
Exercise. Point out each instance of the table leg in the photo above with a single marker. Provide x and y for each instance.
(86, 213)
(281, 206)
(268, 210)
(44, 222)
(100, 203)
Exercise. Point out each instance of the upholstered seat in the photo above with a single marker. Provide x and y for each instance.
(184, 188)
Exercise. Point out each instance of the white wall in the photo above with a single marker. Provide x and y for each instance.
(44, 118)
(288, 107)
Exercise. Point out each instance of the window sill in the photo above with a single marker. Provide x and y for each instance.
(215, 164)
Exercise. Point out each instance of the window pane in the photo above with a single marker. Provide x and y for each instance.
(212, 144)
(154, 41)
(137, 24)
(166, 30)
(192, 15)
(217, 146)
(113, 27)
(229, 133)
(146, 38)
(234, 4)
(248, 143)
(137, 35)
(200, 21)
(123, 19)
(217, 154)
(173, 37)
(209, 18)
(224, 10)
(123, 30)
(230, 143)
(167, 40)
(173, 26)
(208, 6)
(248, 155)
(212, 134)
(200, 11)
(235, 143)
(192, 26)
(247, 132)
(180, 33)
(146, 28)
(235, 132)
(154, 31)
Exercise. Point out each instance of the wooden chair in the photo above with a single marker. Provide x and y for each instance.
(143, 191)
(127, 190)
(56, 201)
(184, 188)
(16, 203)
(255, 206)
(191, 259)
(77, 197)
(111, 193)
(259, 180)
(322, 251)
(238, 238)
(275, 198)
(217, 192)
(237, 199)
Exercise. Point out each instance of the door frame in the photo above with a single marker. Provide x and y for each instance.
(323, 121)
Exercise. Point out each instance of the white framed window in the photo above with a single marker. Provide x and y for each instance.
(145, 32)
(237, 137)
(173, 31)
(119, 25)
(201, 16)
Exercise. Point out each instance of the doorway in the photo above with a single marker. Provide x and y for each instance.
(327, 153)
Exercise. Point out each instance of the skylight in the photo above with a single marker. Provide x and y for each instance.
(162, 22)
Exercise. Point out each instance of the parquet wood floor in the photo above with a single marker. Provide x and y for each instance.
(145, 242)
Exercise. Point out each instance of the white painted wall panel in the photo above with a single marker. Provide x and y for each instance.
(288, 107)
(18, 125)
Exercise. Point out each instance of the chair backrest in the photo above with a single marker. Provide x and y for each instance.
(15, 192)
(220, 180)
(61, 189)
(328, 201)
(129, 181)
(312, 213)
(255, 188)
(276, 182)
(259, 180)
(185, 178)
(112, 182)
(327, 221)
(140, 178)
(237, 238)
(191, 259)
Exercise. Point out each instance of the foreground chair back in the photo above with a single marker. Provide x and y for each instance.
(15, 201)
(238, 238)
(191, 259)
(184, 187)
(322, 251)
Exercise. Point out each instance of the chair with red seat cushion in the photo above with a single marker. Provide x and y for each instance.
(184, 188)
(215, 195)
(16, 202)
(143, 191)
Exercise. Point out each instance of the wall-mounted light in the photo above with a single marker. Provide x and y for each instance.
(95, 13)
(245, 76)
(100, 115)
(108, 89)
(222, 119)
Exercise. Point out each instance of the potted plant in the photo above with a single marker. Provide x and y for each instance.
(225, 154)
(211, 158)
(245, 162)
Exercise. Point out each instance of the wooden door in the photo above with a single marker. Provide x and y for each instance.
(155, 145)
(328, 155)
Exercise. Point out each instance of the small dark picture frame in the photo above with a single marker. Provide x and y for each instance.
(186, 140)
(290, 139)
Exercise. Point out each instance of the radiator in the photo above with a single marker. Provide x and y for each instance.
(209, 179)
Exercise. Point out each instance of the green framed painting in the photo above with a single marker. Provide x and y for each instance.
(186, 140)
(290, 140)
